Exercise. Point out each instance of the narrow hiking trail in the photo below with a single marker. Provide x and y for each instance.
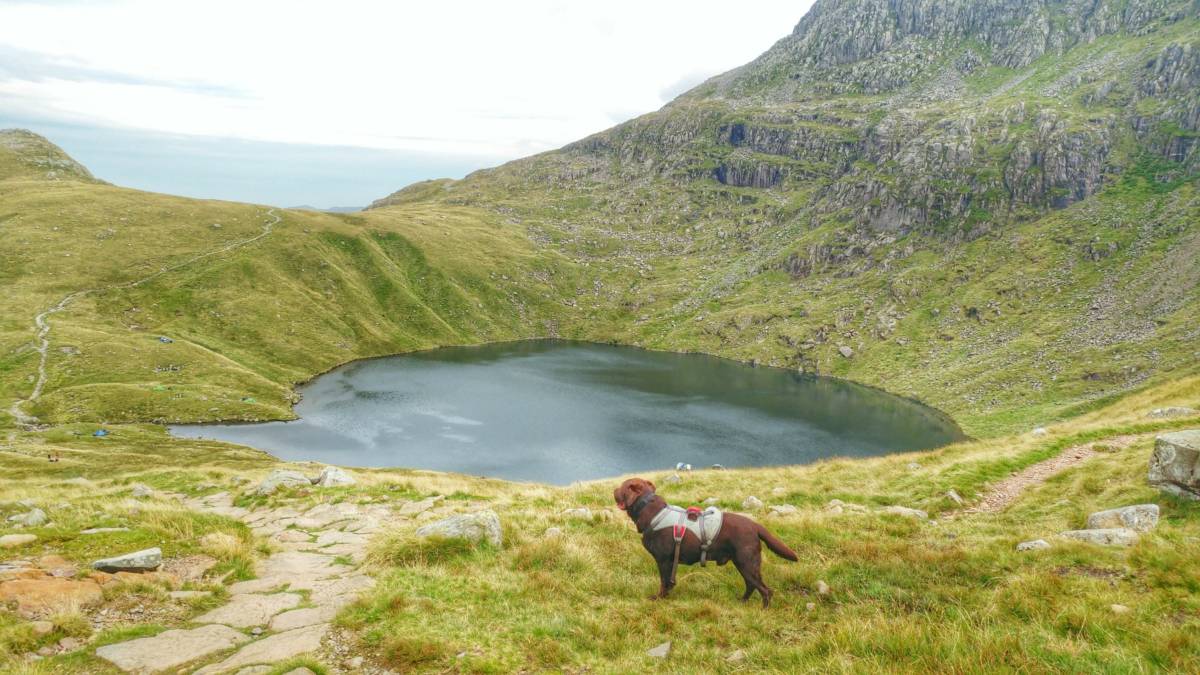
(1002, 494)
(42, 321)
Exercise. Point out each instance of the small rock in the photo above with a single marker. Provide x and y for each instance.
(102, 530)
(138, 561)
(1140, 517)
(355, 663)
(783, 509)
(69, 644)
(552, 532)
(34, 518)
(737, 656)
(332, 476)
(779, 491)
(822, 587)
(15, 540)
(752, 503)
(140, 491)
(1119, 536)
(913, 466)
(906, 512)
(953, 496)
(1119, 609)
(1040, 431)
(42, 627)
(845, 351)
(660, 652)
(673, 478)
(1173, 411)
(281, 478)
(475, 526)
(413, 508)
(582, 513)
(257, 630)
(1034, 545)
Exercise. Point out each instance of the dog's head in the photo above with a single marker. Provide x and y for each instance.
(630, 491)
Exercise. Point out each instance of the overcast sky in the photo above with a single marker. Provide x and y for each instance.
(331, 104)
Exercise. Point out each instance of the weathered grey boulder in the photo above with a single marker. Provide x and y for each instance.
(1035, 545)
(1140, 517)
(282, 478)
(33, 518)
(138, 561)
(332, 476)
(1116, 536)
(475, 526)
(1173, 411)
(1175, 464)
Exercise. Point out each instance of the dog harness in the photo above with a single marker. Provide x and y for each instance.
(705, 525)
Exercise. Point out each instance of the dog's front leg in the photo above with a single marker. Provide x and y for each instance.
(664, 579)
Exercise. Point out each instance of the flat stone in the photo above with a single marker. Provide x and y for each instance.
(476, 526)
(49, 594)
(1175, 464)
(660, 652)
(906, 512)
(299, 618)
(1034, 545)
(293, 536)
(1140, 517)
(42, 627)
(250, 609)
(272, 649)
(1118, 536)
(15, 540)
(103, 530)
(329, 537)
(137, 561)
(413, 508)
(298, 570)
(170, 649)
(340, 592)
(1119, 609)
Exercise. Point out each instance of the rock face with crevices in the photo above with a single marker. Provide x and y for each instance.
(1175, 464)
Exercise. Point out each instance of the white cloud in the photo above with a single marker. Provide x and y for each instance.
(467, 77)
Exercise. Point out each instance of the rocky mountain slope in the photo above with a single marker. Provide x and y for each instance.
(999, 197)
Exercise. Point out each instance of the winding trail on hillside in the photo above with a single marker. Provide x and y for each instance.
(1002, 494)
(42, 321)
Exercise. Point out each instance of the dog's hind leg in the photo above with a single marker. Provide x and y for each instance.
(749, 566)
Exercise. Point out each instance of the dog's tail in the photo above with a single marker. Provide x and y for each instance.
(777, 547)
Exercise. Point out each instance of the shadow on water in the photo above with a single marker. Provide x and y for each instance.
(555, 411)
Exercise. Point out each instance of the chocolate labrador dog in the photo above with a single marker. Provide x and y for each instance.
(738, 540)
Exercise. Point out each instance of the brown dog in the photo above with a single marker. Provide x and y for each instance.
(738, 540)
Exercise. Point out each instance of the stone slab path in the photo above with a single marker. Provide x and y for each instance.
(286, 610)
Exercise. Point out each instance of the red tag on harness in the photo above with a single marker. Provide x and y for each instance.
(678, 531)
(693, 512)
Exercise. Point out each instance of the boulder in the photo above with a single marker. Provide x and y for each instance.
(475, 526)
(1173, 411)
(332, 476)
(15, 540)
(282, 478)
(752, 503)
(1140, 517)
(34, 518)
(1117, 536)
(906, 512)
(1175, 464)
(1034, 545)
(138, 561)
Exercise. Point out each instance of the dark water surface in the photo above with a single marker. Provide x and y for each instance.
(556, 412)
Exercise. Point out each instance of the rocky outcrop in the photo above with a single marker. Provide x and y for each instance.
(1175, 464)
(476, 527)
(1141, 518)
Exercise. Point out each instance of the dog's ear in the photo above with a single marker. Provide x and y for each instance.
(652, 488)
